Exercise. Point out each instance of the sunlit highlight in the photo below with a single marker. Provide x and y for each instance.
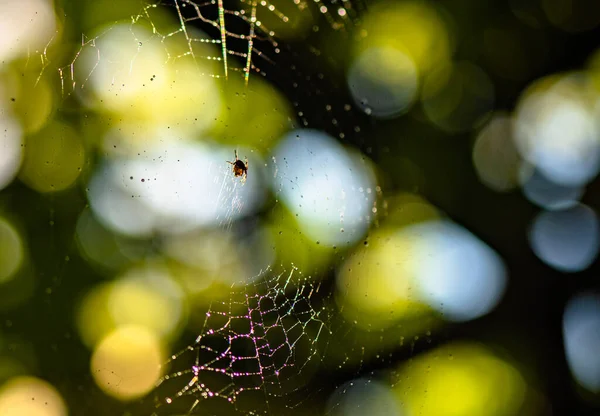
(460, 380)
(330, 190)
(148, 298)
(173, 189)
(145, 297)
(457, 274)
(130, 73)
(377, 285)
(126, 363)
(32, 397)
(425, 264)
(25, 25)
(557, 131)
(412, 26)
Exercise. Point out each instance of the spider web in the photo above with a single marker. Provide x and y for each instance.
(238, 28)
(254, 347)
(260, 346)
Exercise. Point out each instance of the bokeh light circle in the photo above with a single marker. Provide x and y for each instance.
(458, 97)
(330, 190)
(54, 158)
(364, 397)
(133, 87)
(148, 298)
(374, 286)
(458, 274)
(566, 240)
(418, 27)
(581, 332)
(383, 82)
(495, 157)
(549, 195)
(12, 151)
(27, 25)
(126, 363)
(11, 250)
(556, 129)
(173, 189)
(30, 396)
(460, 379)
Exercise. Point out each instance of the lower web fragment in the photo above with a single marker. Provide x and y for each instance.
(255, 353)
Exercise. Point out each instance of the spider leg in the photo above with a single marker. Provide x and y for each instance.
(246, 162)
(235, 151)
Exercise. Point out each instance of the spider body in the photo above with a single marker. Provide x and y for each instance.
(239, 168)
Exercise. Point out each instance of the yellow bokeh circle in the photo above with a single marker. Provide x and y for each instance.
(30, 396)
(418, 28)
(461, 379)
(53, 159)
(11, 251)
(127, 363)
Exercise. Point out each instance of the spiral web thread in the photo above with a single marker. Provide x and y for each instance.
(245, 41)
(261, 339)
(268, 335)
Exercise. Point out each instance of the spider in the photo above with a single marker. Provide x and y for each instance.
(239, 168)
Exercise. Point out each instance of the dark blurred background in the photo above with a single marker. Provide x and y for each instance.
(417, 233)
